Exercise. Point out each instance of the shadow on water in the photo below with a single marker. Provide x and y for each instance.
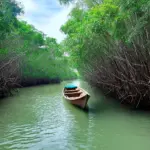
(100, 103)
(5, 100)
(103, 104)
(77, 112)
(85, 110)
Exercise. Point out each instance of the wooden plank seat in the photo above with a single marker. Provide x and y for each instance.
(73, 94)
(72, 91)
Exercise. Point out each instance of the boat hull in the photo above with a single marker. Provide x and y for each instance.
(80, 102)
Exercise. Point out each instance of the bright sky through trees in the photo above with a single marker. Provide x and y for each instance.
(46, 15)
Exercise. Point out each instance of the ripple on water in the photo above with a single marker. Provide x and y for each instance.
(38, 119)
(19, 137)
(50, 126)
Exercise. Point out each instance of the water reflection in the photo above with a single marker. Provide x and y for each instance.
(80, 125)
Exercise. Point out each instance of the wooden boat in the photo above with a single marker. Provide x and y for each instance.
(76, 96)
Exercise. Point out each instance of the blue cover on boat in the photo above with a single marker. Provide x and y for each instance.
(70, 86)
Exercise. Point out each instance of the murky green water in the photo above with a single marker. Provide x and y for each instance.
(39, 119)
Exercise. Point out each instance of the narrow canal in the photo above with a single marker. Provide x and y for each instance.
(37, 118)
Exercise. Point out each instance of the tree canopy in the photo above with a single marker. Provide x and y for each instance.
(108, 42)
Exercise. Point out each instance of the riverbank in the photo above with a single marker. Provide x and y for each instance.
(7, 89)
(26, 82)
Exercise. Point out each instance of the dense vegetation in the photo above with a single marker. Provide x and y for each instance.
(27, 56)
(109, 43)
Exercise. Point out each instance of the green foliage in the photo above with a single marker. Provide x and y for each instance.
(8, 11)
(82, 3)
(65, 1)
(28, 52)
(106, 22)
(109, 45)
(29, 33)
